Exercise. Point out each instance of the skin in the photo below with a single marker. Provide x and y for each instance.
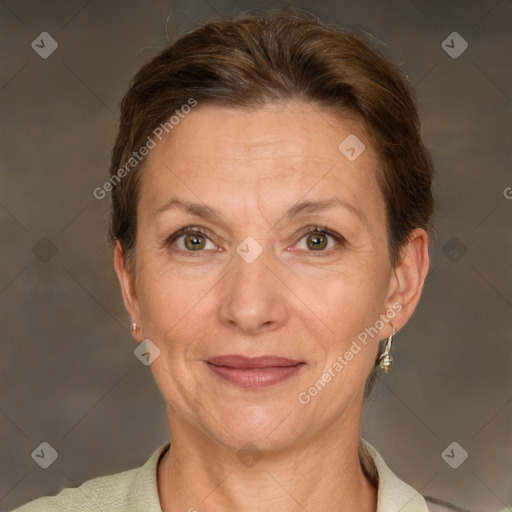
(293, 301)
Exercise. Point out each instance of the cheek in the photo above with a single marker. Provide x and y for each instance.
(354, 290)
(176, 317)
(168, 302)
(339, 309)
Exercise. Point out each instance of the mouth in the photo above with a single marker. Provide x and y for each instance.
(256, 372)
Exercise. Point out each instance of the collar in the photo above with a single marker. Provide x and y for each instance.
(393, 494)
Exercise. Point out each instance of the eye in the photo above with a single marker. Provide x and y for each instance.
(191, 239)
(317, 239)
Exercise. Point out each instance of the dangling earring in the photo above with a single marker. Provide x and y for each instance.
(385, 360)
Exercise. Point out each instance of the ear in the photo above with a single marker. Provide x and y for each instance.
(127, 282)
(407, 279)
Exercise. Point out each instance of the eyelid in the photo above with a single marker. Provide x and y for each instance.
(320, 229)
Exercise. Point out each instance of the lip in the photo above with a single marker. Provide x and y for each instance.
(246, 363)
(256, 372)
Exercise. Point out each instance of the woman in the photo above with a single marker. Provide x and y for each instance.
(271, 202)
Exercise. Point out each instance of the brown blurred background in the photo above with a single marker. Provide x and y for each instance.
(68, 375)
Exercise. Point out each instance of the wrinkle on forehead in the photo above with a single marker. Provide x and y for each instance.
(241, 127)
(264, 155)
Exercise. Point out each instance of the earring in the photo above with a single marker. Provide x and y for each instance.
(385, 360)
(133, 326)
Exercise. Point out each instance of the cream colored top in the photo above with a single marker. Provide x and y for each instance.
(136, 490)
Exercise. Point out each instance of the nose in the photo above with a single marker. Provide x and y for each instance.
(254, 296)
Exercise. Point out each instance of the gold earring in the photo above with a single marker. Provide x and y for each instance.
(133, 326)
(385, 360)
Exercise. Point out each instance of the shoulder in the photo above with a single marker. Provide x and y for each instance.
(109, 490)
(393, 493)
(133, 490)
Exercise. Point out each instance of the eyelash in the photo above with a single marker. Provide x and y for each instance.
(190, 230)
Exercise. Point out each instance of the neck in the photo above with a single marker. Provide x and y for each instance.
(324, 473)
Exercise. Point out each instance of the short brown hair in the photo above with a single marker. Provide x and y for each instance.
(252, 60)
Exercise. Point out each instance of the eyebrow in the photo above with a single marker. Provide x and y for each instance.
(200, 210)
(328, 204)
(304, 207)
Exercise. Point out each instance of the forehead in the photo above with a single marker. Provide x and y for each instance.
(274, 154)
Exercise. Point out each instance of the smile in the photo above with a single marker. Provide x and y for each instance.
(254, 373)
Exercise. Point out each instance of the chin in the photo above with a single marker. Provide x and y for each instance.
(266, 427)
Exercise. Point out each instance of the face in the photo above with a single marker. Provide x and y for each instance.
(285, 255)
